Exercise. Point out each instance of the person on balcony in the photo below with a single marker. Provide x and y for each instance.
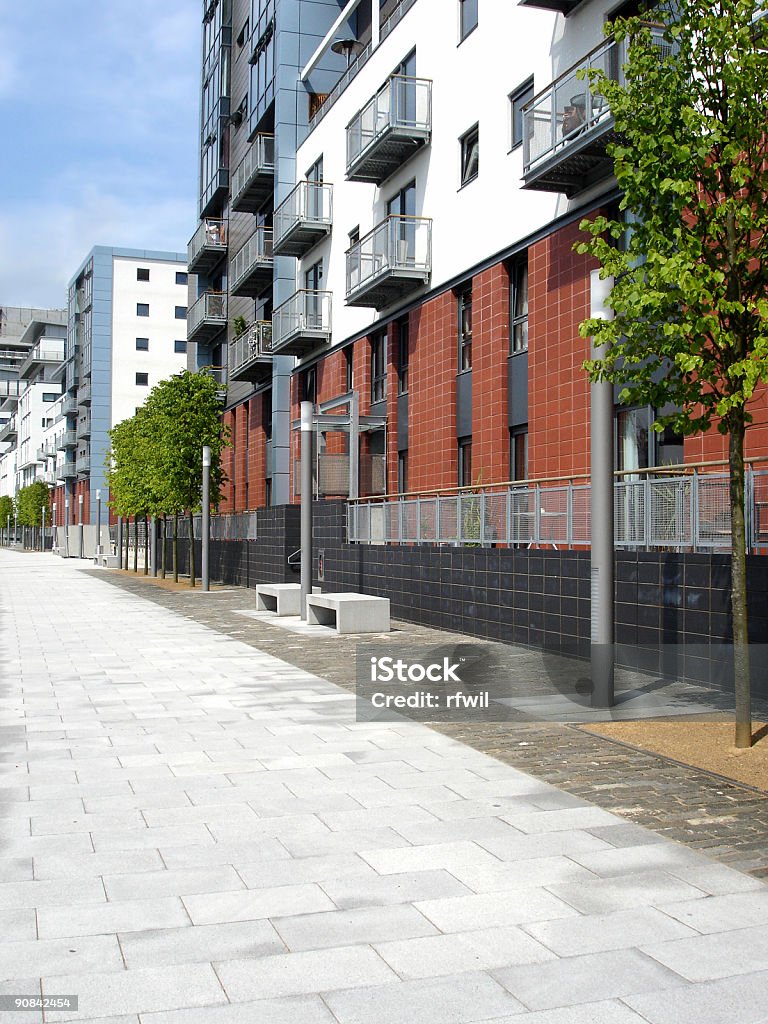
(575, 115)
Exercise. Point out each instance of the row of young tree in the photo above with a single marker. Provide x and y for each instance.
(154, 465)
(30, 505)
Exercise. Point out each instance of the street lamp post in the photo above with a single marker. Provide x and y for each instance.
(98, 523)
(54, 524)
(80, 522)
(8, 530)
(66, 528)
(206, 519)
(42, 520)
(15, 527)
(306, 505)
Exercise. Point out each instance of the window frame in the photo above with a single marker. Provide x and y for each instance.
(403, 354)
(184, 275)
(180, 312)
(142, 347)
(517, 320)
(516, 435)
(349, 368)
(518, 98)
(464, 30)
(378, 367)
(142, 274)
(464, 461)
(142, 383)
(140, 309)
(469, 140)
(179, 351)
(464, 307)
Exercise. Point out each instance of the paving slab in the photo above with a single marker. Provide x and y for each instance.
(218, 840)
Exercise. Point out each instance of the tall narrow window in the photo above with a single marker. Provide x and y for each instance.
(402, 471)
(313, 282)
(379, 367)
(467, 17)
(465, 330)
(518, 306)
(402, 356)
(309, 385)
(465, 461)
(517, 100)
(518, 453)
(348, 367)
(470, 155)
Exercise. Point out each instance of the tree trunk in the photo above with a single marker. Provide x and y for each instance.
(175, 547)
(741, 659)
(191, 550)
(127, 541)
(162, 547)
(136, 544)
(146, 546)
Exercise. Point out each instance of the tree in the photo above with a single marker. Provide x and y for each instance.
(6, 510)
(30, 502)
(131, 471)
(687, 253)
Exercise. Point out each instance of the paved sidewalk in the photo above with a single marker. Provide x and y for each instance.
(195, 832)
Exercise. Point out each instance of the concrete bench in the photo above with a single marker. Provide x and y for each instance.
(281, 598)
(107, 561)
(349, 613)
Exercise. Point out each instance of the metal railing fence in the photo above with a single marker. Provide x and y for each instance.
(669, 511)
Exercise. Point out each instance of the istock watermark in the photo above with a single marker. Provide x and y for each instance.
(451, 682)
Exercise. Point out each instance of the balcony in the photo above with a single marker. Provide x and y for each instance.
(84, 426)
(84, 394)
(47, 352)
(9, 389)
(565, 7)
(69, 405)
(219, 375)
(389, 262)
(567, 129)
(207, 246)
(253, 179)
(207, 317)
(302, 324)
(251, 269)
(67, 440)
(8, 430)
(250, 355)
(83, 465)
(389, 129)
(303, 219)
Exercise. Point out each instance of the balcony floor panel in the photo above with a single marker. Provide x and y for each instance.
(579, 164)
(254, 194)
(256, 281)
(301, 238)
(387, 154)
(387, 288)
(205, 331)
(206, 259)
(300, 343)
(257, 371)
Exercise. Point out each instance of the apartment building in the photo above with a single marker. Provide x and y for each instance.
(125, 331)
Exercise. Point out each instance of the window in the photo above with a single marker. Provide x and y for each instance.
(142, 273)
(470, 155)
(142, 344)
(49, 396)
(348, 368)
(518, 453)
(402, 472)
(379, 367)
(142, 309)
(467, 17)
(309, 385)
(402, 356)
(465, 330)
(181, 312)
(518, 306)
(517, 101)
(142, 380)
(465, 462)
(181, 277)
(243, 35)
(179, 346)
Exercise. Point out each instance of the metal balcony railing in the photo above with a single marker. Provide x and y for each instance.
(67, 440)
(302, 323)
(207, 316)
(66, 471)
(83, 465)
(567, 128)
(8, 430)
(389, 129)
(303, 218)
(670, 510)
(254, 177)
(250, 354)
(69, 405)
(9, 389)
(251, 267)
(390, 261)
(45, 352)
(208, 244)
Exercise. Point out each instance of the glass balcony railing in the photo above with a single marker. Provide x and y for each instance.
(250, 354)
(302, 323)
(390, 261)
(207, 316)
(303, 218)
(254, 178)
(251, 268)
(84, 394)
(47, 351)
(66, 471)
(83, 465)
(567, 128)
(67, 440)
(389, 129)
(208, 245)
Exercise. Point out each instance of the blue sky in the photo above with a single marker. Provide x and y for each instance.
(99, 115)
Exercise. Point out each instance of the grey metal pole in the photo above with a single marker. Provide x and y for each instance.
(98, 522)
(80, 522)
(15, 527)
(206, 519)
(306, 505)
(153, 545)
(602, 545)
(8, 530)
(42, 531)
(120, 539)
(66, 528)
(54, 524)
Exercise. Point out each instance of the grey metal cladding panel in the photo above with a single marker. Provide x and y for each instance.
(402, 422)
(517, 390)
(464, 404)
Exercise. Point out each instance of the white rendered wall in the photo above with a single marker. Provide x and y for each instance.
(8, 474)
(471, 84)
(161, 327)
(31, 414)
